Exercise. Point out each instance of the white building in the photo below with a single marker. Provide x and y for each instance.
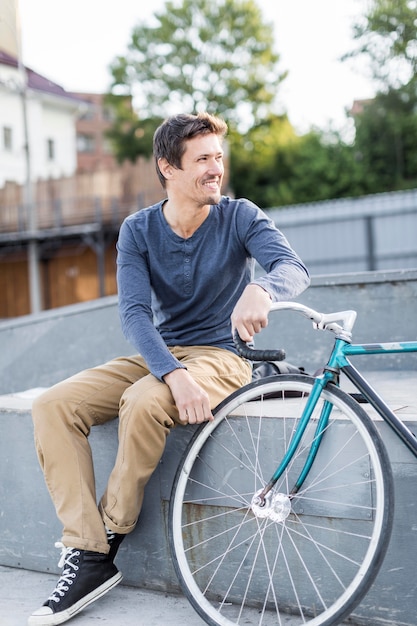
(48, 113)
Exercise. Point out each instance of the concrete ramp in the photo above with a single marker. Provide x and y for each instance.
(40, 350)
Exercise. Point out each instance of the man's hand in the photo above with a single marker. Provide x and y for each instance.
(191, 400)
(250, 314)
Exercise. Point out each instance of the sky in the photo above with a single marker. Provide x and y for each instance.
(73, 42)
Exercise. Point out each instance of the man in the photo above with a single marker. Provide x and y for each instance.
(184, 283)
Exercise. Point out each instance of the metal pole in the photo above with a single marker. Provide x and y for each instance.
(33, 251)
(370, 243)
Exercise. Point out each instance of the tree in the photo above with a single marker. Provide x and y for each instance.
(386, 129)
(325, 167)
(273, 166)
(218, 56)
(130, 136)
(387, 35)
(262, 160)
(386, 141)
(201, 55)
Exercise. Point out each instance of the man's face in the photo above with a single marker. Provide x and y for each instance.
(201, 176)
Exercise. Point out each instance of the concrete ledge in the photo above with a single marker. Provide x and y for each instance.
(28, 526)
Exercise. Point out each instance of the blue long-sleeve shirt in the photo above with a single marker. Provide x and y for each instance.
(175, 291)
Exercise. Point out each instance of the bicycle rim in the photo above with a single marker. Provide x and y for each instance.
(315, 554)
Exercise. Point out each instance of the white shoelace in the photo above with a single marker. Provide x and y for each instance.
(68, 573)
(110, 534)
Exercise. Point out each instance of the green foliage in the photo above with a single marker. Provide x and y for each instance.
(325, 168)
(386, 129)
(130, 137)
(386, 37)
(274, 167)
(218, 56)
(201, 55)
(386, 140)
(256, 172)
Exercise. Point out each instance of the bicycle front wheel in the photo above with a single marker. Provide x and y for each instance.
(306, 557)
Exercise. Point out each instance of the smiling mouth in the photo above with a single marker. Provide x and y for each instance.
(212, 183)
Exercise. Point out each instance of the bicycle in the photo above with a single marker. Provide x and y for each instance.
(282, 507)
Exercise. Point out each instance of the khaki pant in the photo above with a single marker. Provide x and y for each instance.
(64, 415)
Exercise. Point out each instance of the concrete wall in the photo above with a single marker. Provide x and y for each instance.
(39, 350)
(386, 303)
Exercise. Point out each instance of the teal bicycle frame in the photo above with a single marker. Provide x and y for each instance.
(339, 362)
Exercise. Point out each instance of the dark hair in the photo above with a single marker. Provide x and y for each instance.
(170, 137)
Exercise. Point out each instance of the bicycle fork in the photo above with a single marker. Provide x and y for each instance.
(277, 507)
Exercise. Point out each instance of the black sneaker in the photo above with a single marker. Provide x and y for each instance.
(114, 541)
(86, 576)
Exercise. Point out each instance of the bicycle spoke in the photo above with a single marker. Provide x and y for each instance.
(299, 558)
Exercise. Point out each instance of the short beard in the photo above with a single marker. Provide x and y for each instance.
(213, 199)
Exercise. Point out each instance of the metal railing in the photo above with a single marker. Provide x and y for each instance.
(58, 213)
(376, 232)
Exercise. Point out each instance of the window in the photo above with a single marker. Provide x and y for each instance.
(50, 147)
(89, 113)
(85, 143)
(107, 146)
(108, 114)
(7, 138)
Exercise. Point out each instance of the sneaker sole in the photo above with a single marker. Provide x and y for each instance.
(64, 616)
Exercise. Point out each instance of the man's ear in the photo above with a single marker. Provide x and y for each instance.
(166, 168)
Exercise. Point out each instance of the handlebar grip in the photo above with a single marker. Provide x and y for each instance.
(256, 355)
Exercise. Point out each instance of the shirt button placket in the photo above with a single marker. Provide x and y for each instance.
(187, 267)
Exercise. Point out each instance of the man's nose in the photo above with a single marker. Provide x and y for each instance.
(216, 168)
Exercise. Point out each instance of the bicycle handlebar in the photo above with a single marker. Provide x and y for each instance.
(321, 321)
(256, 355)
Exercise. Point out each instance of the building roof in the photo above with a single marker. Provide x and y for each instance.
(36, 81)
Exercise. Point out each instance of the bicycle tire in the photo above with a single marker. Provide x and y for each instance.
(314, 566)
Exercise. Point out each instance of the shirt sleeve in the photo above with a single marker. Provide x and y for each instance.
(135, 305)
(286, 275)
